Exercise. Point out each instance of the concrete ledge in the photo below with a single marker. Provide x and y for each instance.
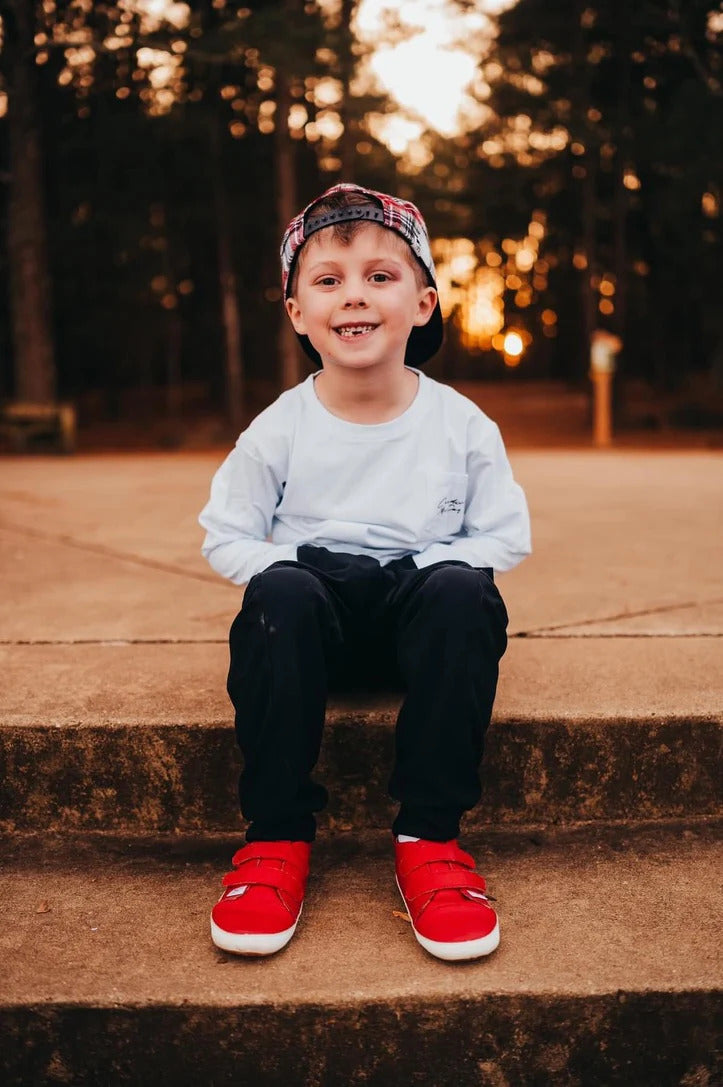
(139, 738)
(149, 778)
(655, 1040)
(608, 971)
(541, 679)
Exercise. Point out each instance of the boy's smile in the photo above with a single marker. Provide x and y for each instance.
(358, 303)
(354, 331)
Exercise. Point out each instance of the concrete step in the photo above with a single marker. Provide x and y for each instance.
(138, 738)
(609, 969)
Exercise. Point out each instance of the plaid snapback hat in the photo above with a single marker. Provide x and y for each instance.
(401, 216)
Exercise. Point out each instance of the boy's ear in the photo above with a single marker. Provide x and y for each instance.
(425, 307)
(295, 315)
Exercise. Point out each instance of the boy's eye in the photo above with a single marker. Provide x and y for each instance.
(380, 277)
(326, 281)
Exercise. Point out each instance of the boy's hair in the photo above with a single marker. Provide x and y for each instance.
(345, 208)
(345, 232)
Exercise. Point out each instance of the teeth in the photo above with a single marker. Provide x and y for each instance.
(354, 330)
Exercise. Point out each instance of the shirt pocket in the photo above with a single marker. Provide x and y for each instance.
(446, 499)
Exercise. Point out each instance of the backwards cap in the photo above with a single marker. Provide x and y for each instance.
(401, 216)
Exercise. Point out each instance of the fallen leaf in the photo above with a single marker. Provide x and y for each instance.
(44, 907)
(401, 916)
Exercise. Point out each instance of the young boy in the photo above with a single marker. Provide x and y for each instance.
(367, 509)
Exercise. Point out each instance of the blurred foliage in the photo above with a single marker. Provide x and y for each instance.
(639, 88)
(129, 191)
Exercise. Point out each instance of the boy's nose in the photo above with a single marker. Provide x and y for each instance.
(355, 300)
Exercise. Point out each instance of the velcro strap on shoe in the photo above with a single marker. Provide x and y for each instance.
(426, 882)
(266, 876)
(432, 852)
(263, 851)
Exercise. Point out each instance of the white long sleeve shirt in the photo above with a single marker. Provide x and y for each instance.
(434, 483)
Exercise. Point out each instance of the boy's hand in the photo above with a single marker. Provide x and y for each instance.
(338, 562)
(358, 581)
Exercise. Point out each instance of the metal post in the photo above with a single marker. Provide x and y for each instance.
(604, 347)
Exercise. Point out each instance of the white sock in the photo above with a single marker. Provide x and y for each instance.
(406, 838)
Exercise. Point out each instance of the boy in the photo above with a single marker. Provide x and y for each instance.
(367, 509)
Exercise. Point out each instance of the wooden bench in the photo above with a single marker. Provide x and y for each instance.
(21, 422)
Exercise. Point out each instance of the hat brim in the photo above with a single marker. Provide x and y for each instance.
(424, 341)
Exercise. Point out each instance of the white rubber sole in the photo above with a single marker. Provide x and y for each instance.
(252, 943)
(456, 950)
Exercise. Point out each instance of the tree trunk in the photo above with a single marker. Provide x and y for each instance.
(589, 161)
(620, 202)
(230, 309)
(347, 146)
(28, 263)
(288, 344)
(620, 210)
(173, 339)
(589, 186)
(173, 348)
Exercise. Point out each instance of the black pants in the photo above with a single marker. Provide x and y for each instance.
(332, 620)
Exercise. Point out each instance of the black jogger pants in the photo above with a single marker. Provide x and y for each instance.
(330, 620)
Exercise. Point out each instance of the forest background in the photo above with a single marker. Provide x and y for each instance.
(567, 157)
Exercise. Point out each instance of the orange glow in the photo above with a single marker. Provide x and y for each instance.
(329, 124)
(525, 258)
(472, 278)
(513, 344)
(429, 63)
(154, 13)
(710, 205)
(298, 116)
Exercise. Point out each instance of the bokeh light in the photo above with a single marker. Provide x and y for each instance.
(426, 54)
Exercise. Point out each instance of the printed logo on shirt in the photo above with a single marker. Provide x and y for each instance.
(450, 505)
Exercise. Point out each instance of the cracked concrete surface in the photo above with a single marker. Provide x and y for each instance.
(624, 543)
(611, 691)
(618, 611)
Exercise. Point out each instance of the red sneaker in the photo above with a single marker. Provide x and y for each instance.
(445, 899)
(258, 912)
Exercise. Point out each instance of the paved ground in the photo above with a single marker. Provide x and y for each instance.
(627, 545)
(608, 704)
(116, 935)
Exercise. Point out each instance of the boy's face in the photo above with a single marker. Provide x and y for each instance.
(358, 303)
